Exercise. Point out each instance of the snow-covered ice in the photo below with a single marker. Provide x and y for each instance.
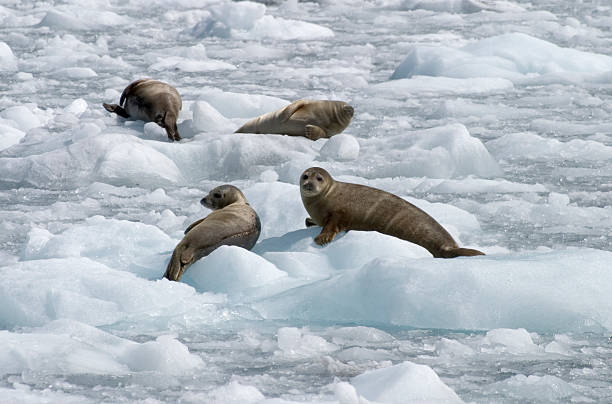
(491, 115)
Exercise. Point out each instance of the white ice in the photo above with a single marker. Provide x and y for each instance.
(491, 116)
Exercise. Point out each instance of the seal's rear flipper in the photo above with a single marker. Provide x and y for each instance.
(116, 109)
(291, 109)
(459, 252)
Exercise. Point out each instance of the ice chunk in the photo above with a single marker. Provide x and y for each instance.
(76, 107)
(10, 135)
(247, 20)
(165, 354)
(73, 288)
(512, 341)
(530, 145)
(233, 393)
(79, 19)
(75, 73)
(293, 342)
(442, 152)
(537, 388)
(23, 116)
(208, 119)
(460, 6)
(511, 56)
(239, 105)
(488, 293)
(120, 244)
(404, 383)
(70, 346)
(154, 131)
(340, 147)
(230, 269)
(450, 85)
(8, 61)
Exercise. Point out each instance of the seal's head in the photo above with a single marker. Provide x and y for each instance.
(314, 181)
(223, 196)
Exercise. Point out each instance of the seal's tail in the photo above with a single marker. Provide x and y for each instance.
(457, 252)
(464, 252)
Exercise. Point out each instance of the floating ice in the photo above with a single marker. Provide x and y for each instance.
(340, 147)
(239, 105)
(487, 293)
(75, 73)
(231, 270)
(8, 61)
(537, 388)
(513, 56)
(208, 119)
(293, 342)
(120, 244)
(459, 6)
(512, 341)
(70, 346)
(404, 383)
(424, 84)
(442, 152)
(247, 20)
(22, 116)
(530, 145)
(188, 59)
(79, 19)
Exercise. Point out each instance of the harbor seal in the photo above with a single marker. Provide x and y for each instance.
(309, 118)
(232, 222)
(340, 206)
(150, 101)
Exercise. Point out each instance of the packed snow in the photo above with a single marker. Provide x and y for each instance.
(490, 115)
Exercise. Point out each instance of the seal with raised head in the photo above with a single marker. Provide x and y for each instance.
(341, 206)
(232, 222)
(150, 101)
(309, 118)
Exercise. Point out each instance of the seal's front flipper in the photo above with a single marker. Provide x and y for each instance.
(313, 132)
(310, 222)
(291, 109)
(116, 109)
(192, 225)
(329, 232)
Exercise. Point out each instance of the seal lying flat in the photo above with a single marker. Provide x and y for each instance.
(232, 222)
(340, 206)
(150, 101)
(309, 118)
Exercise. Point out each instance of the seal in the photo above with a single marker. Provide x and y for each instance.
(232, 222)
(150, 101)
(340, 206)
(309, 118)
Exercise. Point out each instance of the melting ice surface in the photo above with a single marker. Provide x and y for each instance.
(491, 115)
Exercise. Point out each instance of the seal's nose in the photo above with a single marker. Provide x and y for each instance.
(308, 186)
(348, 110)
(204, 202)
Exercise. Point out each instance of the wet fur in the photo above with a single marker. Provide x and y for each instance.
(308, 118)
(341, 206)
(235, 223)
(150, 101)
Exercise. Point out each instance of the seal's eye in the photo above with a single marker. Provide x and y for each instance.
(217, 195)
(304, 177)
(319, 178)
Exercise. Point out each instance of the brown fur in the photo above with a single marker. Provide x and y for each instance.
(308, 118)
(150, 101)
(233, 222)
(340, 206)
